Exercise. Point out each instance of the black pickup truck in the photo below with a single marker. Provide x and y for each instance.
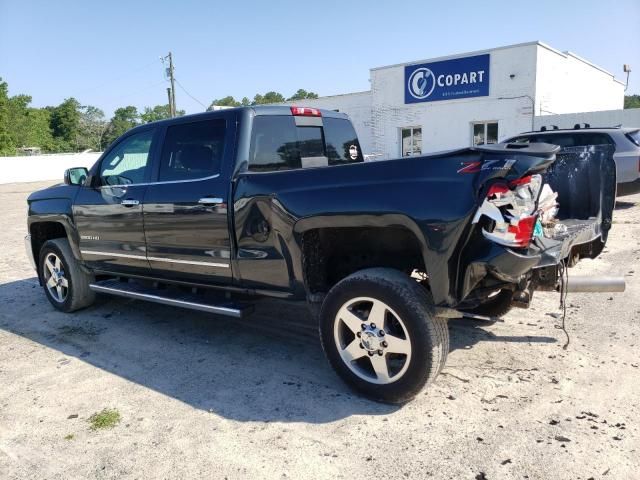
(211, 211)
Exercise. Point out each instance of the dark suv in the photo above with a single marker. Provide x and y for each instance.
(625, 140)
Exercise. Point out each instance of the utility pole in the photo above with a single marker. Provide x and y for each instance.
(170, 101)
(172, 91)
(173, 87)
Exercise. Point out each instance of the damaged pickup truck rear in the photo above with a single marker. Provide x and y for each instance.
(211, 211)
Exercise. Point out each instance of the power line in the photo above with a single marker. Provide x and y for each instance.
(192, 97)
(115, 79)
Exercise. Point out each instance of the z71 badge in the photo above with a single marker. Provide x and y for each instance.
(89, 237)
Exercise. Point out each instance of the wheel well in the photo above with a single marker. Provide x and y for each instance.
(331, 254)
(43, 231)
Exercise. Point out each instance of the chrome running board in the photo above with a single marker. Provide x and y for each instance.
(167, 297)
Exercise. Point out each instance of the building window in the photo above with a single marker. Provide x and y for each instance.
(411, 141)
(484, 133)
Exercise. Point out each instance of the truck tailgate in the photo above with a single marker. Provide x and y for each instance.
(585, 180)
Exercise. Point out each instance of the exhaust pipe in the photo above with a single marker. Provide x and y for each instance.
(595, 284)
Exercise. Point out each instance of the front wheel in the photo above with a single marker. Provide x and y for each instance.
(379, 332)
(66, 285)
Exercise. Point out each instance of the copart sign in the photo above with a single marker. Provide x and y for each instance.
(447, 79)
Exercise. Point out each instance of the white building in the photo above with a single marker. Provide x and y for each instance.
(472, 98)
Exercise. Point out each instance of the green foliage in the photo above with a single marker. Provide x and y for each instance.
(6, 144)
(106, 418)
(227, 101)
(159, 112)
(632, 101)
(267, 98)
(124, 118)
(302, 94)
(65, 121)
(71, 126)
(92, 128)
(258, 99)
(21, 125)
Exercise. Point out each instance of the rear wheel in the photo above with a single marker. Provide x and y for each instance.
(66, 285)
(380, 334)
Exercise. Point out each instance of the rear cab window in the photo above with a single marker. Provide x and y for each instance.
(278, 142)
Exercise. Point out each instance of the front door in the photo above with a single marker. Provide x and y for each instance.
(185, 209)
(108, 214)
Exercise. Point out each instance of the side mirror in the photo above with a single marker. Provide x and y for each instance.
(75, 176)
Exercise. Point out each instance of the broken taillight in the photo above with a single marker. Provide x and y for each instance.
(509, 212)
(523, 230)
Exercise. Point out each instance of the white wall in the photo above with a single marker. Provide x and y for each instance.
(566, 83)
(356, 105)
(606, 118)
(558, 82)
(42, 167)
(447, 124)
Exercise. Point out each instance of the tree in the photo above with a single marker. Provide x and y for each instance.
(22, 125)
(268, 98)
(302, 94)
(65, 122)
(92, 128)
(124, 119)
(632, 101)
(227, 101)
(7, 146)
(159, 112)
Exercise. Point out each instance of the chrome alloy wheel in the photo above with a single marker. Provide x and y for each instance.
(372, 340)
(54, 278)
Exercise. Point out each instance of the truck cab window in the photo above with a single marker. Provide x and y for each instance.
(126, 164)
(342, 142)
(274, 144)
(192, 150)
(278, 144)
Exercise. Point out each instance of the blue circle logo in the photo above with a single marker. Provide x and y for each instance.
(421, 83)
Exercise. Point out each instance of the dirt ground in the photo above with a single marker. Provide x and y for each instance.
(201, 396)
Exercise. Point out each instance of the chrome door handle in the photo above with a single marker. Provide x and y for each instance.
(130, 202)
(210, 201)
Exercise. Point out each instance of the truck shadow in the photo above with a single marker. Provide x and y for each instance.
(247, 371)
(464, 334)
(624, 205)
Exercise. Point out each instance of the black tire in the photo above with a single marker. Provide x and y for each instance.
(406, 299)
(496, 306)
(78, 294)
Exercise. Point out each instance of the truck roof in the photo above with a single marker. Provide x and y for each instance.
(256, 110)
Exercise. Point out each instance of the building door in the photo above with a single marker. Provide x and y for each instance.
(411, 141)
(484, 133)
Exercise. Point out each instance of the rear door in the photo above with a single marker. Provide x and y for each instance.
(185, 207)
(108, 214)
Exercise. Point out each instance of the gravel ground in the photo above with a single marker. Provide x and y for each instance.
(204, 396)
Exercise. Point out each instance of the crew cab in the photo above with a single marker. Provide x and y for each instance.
(214, 210)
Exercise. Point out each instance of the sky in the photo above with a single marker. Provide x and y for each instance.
(107, 53)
